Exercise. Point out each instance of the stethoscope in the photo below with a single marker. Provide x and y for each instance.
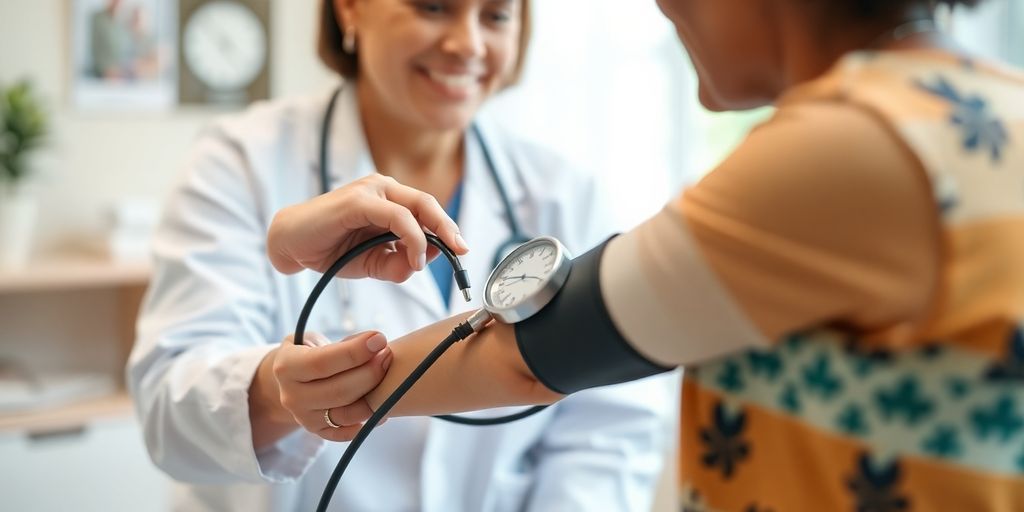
(515, 239)
(461, 332)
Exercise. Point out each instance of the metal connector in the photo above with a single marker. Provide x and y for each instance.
(479, 320)
(466, 295)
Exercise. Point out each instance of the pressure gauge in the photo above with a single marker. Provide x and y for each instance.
(527, 279)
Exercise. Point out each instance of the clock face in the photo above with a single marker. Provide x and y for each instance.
(523, 273)
(224, 45)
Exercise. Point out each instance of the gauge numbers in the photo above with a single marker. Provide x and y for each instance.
(523, 275)
(527, 279)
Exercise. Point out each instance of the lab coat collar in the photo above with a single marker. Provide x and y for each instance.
(481, 217)
(349, 154)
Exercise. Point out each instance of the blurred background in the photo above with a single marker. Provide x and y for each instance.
(104, 98)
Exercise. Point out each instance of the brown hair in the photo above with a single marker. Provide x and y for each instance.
(332, 53)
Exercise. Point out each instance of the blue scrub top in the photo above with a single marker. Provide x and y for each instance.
(440, 268)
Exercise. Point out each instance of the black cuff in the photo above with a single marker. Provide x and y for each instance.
(572, 343)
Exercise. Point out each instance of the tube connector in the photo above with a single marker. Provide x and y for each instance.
(462, 281)
(479, 320)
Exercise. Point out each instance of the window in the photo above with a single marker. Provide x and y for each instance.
(605, 86)
(994, 30)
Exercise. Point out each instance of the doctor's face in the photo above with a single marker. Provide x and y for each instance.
(432, 63)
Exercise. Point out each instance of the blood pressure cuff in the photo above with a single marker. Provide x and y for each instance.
(571, 344)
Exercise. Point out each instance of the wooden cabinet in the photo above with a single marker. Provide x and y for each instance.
(60, 317)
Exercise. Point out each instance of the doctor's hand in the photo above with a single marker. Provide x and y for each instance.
(304, 385)
(313, 234)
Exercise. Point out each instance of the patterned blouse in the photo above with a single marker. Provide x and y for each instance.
(868, 240)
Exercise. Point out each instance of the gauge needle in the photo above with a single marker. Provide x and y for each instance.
(523, 277)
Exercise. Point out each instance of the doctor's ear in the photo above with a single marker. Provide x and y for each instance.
(335, 44)
(345, 13)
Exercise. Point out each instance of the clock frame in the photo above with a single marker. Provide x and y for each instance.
(193, 91)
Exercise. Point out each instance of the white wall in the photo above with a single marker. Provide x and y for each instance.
(96, 158)
(604, 85)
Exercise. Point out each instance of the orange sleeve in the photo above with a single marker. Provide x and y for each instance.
(822, 216)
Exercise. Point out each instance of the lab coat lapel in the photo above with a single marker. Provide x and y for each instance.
(482, 222)
(349, 154)
(482, 219)
(350, 160)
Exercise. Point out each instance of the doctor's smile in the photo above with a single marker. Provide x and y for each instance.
(454, 86)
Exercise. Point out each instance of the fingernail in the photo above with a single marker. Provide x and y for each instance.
(387, 362)
(376, 343)
(422, 262)
(461, 241)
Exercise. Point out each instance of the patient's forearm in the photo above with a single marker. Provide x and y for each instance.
(481, 372)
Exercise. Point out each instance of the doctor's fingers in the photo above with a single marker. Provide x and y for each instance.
(345, 416)
(341, 434)
(390, 262)
(300, 363)
(428, 212)
(400, 221)
(314, 421)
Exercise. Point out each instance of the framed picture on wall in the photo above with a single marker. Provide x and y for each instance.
(123, 54)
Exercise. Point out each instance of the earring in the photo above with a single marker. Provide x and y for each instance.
(348, 43)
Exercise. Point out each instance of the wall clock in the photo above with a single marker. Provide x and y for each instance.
(225, 51)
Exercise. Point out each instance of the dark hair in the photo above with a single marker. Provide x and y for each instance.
(877, 7)
(332, 53)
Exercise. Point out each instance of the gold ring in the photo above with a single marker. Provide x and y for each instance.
(327, 419)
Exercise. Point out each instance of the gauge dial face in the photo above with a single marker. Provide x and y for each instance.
(523, 273)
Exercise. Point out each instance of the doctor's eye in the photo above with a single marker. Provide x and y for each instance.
(430, 8)
(498, 16)
(500, 11)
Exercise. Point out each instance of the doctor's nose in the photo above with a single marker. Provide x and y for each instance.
(464, 38)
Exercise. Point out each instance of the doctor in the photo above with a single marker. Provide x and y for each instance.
(242, 429)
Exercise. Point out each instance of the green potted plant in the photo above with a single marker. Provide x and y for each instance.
(23, 130)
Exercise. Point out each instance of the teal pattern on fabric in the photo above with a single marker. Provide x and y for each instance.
(904, 401)
(819, 378)
(979, 127)
(1011, 367)
(790, 398)
(730, 377)
(943, 443)
(1001, 419)
(937, 401)
(765, 365)
(853, 421)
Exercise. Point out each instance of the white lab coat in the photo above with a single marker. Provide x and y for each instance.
(216, 307)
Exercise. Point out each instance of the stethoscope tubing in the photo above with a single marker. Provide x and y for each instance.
(516, 236)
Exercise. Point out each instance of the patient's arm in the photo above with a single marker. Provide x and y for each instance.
(481, 372)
